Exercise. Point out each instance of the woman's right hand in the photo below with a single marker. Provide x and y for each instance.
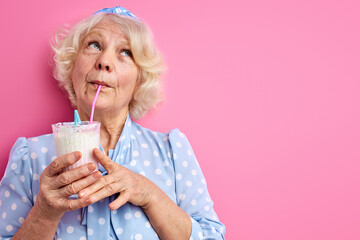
(56, 186)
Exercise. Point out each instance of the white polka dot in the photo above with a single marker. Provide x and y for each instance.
(147, 224)
(200, 235)
(182, 196)
(203, 181)
(90, 231)
(155, 133)
(79, 217)
(158, 171)
(208, 199)
(133, 162)
(13, 166)
(21, 220)
(137, 214)
(138, 132)
(90, 209)
(119, 231)
(70, 229)
(3, 215)
(178, 144)
(25, 157)
(33, 155)
(144, 145)
(35, 177)
(181, 134)
(169, 155)
(142, 173)
(7, 194)
(193, 172)
(83, 238)
(146, 163)
(138, 236)
(165, 138)
(114, 211)
(188, 183)
(35, 139)
(44, 150)
(200, 190)
(12, 187)
(178, 176)
(13, 206)
(168, 182)
(189, 152)
(135, 153)
(185, 163)
(156, 153)
(166, 163)
(127, 216)
(193, 202)
(9, 228)
(207, 208)
(175, 156)
(24, 199)
(101, 221)
(53, 158)
(132, 137)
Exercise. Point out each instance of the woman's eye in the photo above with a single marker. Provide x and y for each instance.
(94, 45)
(126, 53)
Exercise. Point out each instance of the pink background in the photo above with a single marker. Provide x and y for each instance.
(266, 91)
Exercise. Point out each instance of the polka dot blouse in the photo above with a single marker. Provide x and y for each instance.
(167, 159)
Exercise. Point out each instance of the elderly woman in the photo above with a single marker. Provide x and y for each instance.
(149, 184)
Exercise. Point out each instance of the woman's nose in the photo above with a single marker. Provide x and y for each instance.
(104, 63)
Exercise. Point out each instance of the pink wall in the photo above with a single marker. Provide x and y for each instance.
(266, 91)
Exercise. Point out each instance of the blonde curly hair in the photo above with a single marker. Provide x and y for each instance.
(148, 93)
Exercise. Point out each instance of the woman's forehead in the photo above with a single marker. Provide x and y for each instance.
(107, 26)
(107, 29)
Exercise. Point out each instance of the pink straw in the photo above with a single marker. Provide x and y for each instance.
(93, 104)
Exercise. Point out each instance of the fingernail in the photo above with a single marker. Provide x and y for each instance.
(96, 151)
(91, 167)
(97, 174)
(77, 155)
(81, 194)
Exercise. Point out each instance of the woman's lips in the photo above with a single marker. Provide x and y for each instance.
(97, 83)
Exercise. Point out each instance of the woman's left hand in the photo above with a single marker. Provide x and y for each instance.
(133, 187)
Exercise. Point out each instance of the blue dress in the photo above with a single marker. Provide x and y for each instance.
(166, 159)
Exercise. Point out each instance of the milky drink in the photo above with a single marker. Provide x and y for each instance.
(84, 138)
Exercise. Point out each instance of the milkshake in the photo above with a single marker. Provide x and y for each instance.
(83, 137)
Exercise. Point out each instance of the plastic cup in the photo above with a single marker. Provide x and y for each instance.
(83, 137)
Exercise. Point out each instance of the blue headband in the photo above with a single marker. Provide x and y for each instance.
(117, 10)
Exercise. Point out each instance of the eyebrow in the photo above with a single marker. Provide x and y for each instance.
(98, 34)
